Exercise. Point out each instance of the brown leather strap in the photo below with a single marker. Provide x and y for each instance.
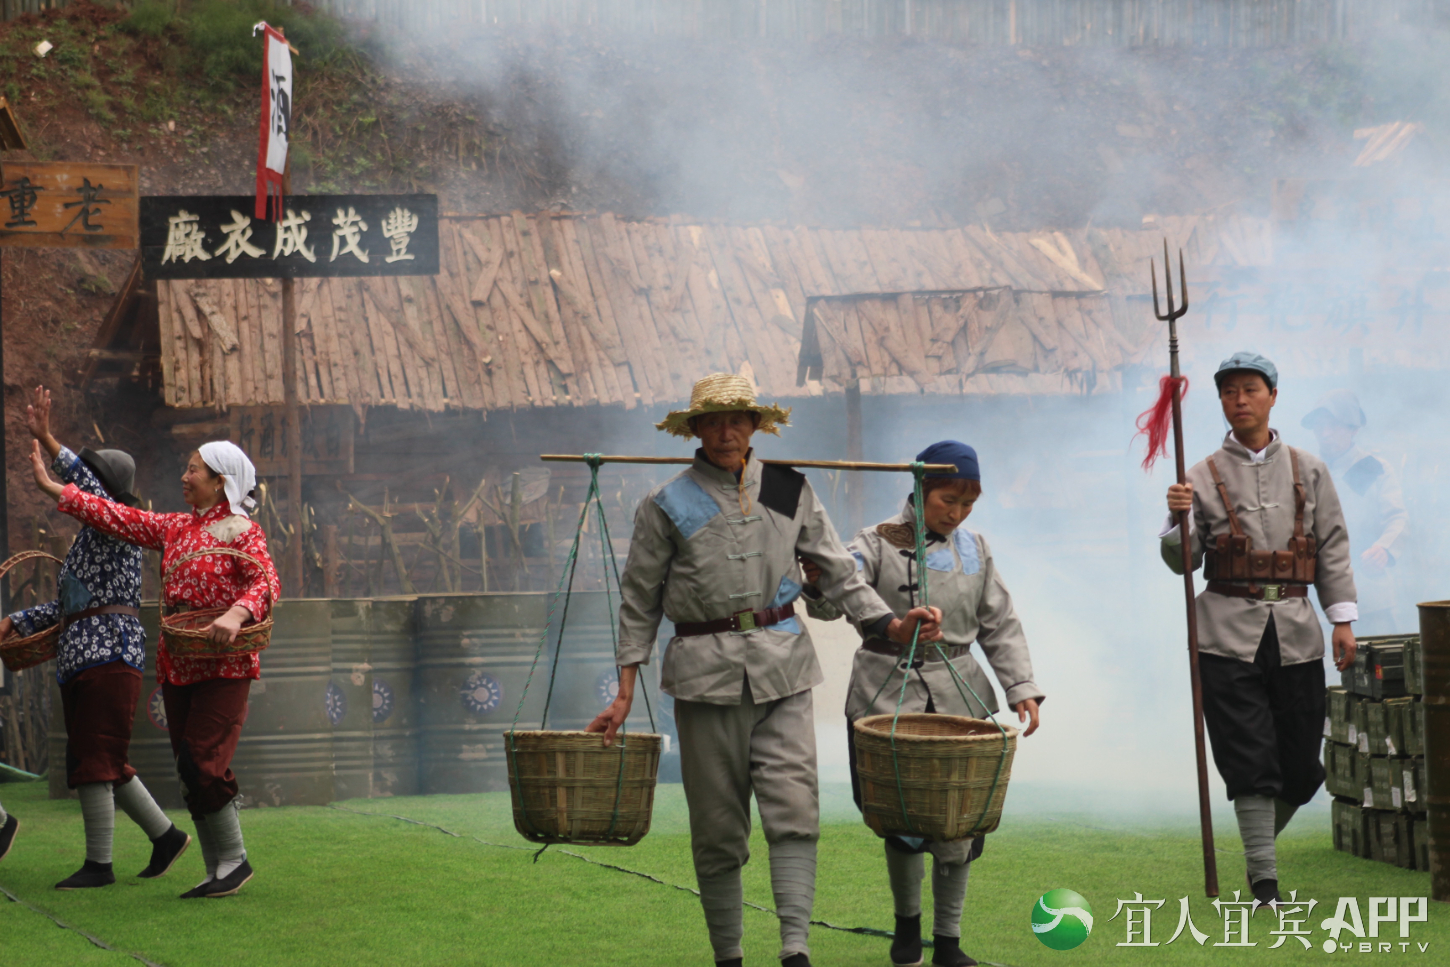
(1259, 592)
(1233, 517)
(757, 619)
(925, 651)
(1299, 498)
(67, 620)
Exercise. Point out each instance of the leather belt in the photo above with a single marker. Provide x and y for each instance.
(925, 652)
(741, 621)
(67, 620)
(1259, 592)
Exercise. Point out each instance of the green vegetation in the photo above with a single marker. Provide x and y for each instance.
(338, 888)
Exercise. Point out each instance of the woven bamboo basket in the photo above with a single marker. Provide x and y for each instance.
(19, 654)
(567, 787)
(185, 632)
(953, 773)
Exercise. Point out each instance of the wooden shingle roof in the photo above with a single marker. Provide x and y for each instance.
(563, 309)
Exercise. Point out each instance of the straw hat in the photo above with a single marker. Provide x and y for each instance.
(723, 393)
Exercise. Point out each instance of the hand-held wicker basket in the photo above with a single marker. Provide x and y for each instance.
(185, 632)
(953, 775)
(22, 653)
(568, 788)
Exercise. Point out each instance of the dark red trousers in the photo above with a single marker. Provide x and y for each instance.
(205, 722)
(100, 707)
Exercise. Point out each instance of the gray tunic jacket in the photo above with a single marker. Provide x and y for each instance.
(1263, 495)
(963, 581)
(706, 547)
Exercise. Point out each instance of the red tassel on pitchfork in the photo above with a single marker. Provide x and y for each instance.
(1153, 424)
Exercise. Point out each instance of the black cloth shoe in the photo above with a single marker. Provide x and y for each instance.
(7, 835)
(796, 960)
(166, 849)
(88, 876)
(947, 952)
(1265, 891)
(197, 891)
(228, 885)
(906, 942)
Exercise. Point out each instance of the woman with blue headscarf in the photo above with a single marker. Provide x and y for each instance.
(976, 607)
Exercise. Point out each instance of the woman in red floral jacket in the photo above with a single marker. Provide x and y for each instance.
(206, 698)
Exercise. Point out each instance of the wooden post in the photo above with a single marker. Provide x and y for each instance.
(292, 586)
(855, 495)
(331, 561)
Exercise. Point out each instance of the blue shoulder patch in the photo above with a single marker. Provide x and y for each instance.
(860, 559)
(941, 560)
(687, 505)
(967, 550)
(788, 591)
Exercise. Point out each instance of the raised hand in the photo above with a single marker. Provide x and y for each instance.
(37, 420)
(41, 470)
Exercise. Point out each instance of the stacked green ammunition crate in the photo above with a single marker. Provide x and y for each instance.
(1374, 754)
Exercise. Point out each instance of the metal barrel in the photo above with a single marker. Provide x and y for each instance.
(284, 757)
(393, 656)
(151, 754)
(1435, 643)
(350, 699)
(474, 653)
(588, 679)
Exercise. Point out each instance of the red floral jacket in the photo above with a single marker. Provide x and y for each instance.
(219, 581)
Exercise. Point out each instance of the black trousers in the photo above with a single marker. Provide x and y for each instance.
(1265, 722)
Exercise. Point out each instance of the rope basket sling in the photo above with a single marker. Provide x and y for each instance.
(926, 775)
(19, 654)
(567, 786)
(185, 631)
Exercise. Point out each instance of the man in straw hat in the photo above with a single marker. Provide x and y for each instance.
(715, 550)
(1264, 520)
(99, 660)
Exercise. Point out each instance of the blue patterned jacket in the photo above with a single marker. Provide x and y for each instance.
(98, 570)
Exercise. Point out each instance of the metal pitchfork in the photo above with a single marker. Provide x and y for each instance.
(1205, 812)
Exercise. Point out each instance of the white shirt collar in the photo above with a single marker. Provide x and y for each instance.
(1257, 456)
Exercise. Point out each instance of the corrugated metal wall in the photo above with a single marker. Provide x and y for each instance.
(1033, 23)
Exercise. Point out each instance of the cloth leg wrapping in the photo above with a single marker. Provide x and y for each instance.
(98, 811)
(99, 707)
(948, 893)
(208, 846)
(226, 830)
(783, 775)
(723, 900)
(905, 871)
(4, 816)
(1256, 829)
(135, 799)
(205, 724)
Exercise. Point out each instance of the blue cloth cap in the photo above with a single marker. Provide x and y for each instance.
(963, 457)
(1339, 405)
(1248, 362)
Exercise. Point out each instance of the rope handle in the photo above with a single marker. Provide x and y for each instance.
(225, 551)
(18, 559)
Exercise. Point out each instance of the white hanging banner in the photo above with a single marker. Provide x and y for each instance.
(276, 120)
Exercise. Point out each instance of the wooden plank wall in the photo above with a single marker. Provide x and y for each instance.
(572, 310)
(1199, 23)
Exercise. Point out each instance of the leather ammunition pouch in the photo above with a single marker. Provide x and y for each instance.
(1233, 557)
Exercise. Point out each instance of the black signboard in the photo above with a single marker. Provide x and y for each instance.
(217, 237)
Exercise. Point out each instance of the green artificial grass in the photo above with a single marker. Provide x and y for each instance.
(336, 887)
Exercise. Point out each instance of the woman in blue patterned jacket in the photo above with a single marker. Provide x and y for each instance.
(99, 661)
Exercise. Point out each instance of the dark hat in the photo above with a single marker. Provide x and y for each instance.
(1247, 362)
(116, 471)
(963, 457)
(1339, 405)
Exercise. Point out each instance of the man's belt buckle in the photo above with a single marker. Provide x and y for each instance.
(1273, 592)
(745, 620)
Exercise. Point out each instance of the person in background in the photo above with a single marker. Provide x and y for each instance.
(964, 582)
(99, 659)
(714, 550)
(1374, 509)
(1264, 522)
(205, 698)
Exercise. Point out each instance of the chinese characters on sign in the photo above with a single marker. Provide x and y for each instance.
(68, 205)
(201, 237)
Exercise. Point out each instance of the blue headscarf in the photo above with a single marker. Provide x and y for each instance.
(963, 457)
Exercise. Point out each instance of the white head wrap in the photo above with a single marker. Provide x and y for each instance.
(238, 475)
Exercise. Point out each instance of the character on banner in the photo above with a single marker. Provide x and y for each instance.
(276, 120)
